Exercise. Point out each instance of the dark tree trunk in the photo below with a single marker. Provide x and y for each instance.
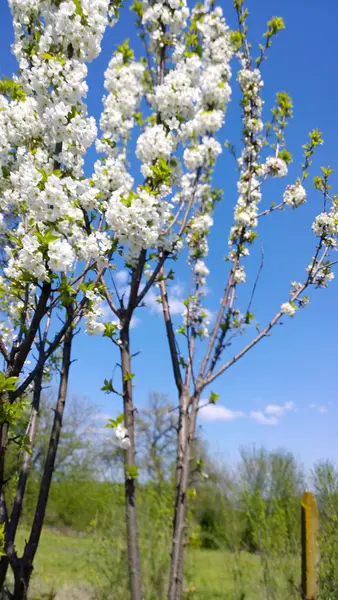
(186, 433)
(23, 477)
(129, 463)
(23, 567)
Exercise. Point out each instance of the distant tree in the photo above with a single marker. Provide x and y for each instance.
(325, 481)
(156, 427)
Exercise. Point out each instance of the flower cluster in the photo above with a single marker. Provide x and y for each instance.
(94, 312)
(294, 195)
(201, 154)
(288, 309)
(246, 209)
(44, 134)
(164, 20)
(121, 434)
(188, 101)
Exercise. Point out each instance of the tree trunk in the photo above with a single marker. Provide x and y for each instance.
(24, 472)
(187, 427)
(129, 463)
(27, 458)
(21, 581)
(23, 567)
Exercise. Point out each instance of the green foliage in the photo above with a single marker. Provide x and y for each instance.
(79, 11)
(13, 90)
(129, 199)
(128, 376)
(309, 149)
(66, 291)
(285, 155)
(114, 8)
(126, 51)
(132, 471)
(137, 7)
(7, 384)
(108, 387)
(243, 524)
(155, 519)
(325, 477)
(2, 539)
(213, 397)
(236, 40)
(275, 25)
(110, 330)
(48, 56)
(161, 172)
(112, 423)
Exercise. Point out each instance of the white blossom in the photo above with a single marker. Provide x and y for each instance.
(288, 309)
(294, 195)
(276, 167)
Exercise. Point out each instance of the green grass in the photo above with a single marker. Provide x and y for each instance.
(62, 565)
(216, 575)
(63, 571)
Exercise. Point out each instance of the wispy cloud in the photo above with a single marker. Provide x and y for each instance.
(278, 410)
(263, 419)
(270, 415)
(175, 294)
(101, 431)
(135, 321)
(321, 408)
(217, 412)
(121, 276)
(100, 416)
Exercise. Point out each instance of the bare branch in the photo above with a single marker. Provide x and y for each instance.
(170, 334)
(109, 299)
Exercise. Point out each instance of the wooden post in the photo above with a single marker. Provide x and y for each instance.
(310, 554)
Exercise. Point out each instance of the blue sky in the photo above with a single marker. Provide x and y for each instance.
(296, 368)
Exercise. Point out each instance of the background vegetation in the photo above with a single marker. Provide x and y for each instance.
(244, 523)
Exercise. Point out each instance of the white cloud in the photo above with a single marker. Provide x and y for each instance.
(121, 276)
(175, 301)
(217, 412)
(135, 321)
(261, 418)
(270, 415)
(97, 430)
(321, 408)
(278, 410)
(100, 416)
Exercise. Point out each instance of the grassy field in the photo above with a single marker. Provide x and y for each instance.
(64, 571)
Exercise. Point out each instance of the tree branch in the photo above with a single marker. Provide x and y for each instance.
(170, 335)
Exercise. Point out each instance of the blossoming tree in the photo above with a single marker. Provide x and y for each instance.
(64, 233)
(49, 241)
(264, 156)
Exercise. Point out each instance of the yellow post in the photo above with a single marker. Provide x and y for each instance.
(310, 554)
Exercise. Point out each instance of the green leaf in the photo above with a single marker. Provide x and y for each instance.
(48, 56)
(7, 384)
(275, 24)
(109, 330)
(112, 423)
(248, 318)
(131, 471)
(12, 89)
(126, 51)
(213, 397)
(285, 155)
(5, 171)
(108, 386)
(128, 376)
(137, 7)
